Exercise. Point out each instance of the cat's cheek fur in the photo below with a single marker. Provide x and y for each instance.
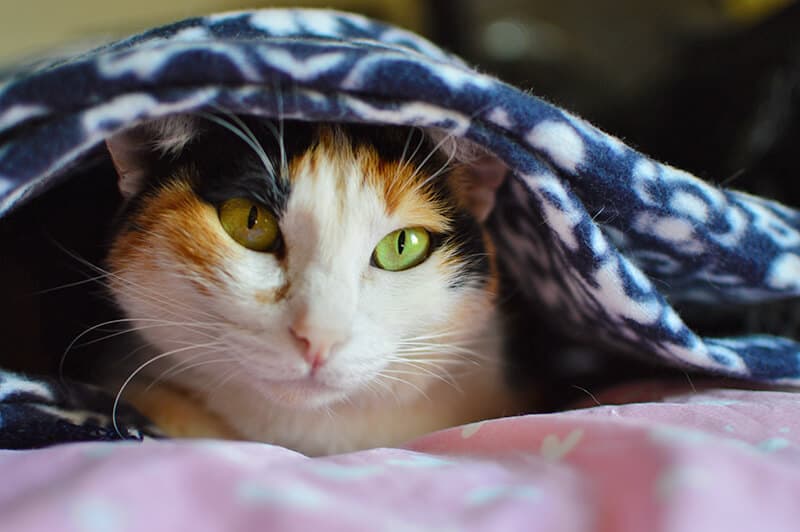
(394, 307)
(410, 351)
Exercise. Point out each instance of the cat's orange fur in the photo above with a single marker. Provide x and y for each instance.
(174, 230)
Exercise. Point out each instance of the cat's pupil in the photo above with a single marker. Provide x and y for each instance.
(401, 242)
(251, 217)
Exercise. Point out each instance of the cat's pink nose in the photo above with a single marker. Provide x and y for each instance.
(315, 343)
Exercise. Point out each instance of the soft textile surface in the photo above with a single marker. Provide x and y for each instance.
(36, 412)
(582, 224)
(718, 460)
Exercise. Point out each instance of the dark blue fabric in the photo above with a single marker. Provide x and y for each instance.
(37, 412)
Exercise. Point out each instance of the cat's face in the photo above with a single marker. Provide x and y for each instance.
(342, 266)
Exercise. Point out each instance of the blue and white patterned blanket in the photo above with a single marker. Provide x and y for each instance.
(699, 242)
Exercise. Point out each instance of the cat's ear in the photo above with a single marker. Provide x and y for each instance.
(476, 178)
(133, 158)
(136, 150)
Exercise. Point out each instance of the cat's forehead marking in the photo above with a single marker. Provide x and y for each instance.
(395, 177)
(395, 162)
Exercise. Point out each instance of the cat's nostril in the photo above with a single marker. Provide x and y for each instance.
(315, 348)
(316, 359)
(305, 344)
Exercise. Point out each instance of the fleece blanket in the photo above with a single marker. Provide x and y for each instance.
(589, 229)
(710, 461)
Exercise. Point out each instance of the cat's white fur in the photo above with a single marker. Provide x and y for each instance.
(365, 393)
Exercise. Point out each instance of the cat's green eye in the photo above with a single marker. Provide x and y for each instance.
(402, 249)
(250, 224)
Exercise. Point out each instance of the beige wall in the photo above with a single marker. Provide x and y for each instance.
(31, 26)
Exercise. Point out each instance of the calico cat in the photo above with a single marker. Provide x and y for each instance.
(325, 287)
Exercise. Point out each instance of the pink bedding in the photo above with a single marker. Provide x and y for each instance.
(716, 460)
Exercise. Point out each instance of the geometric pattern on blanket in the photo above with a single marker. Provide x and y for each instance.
(588, 228)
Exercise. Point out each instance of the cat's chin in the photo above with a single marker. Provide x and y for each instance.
(307, 393)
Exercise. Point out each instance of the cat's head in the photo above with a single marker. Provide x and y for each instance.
(311, 263)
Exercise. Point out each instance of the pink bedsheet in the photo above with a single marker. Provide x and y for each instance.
(717, 460)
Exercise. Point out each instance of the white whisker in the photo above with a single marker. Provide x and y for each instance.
(244, 133)
(383, 375)
(403, 162)
(445, 167)
(158, 323)
(71, 285)
(445, 377)
(188, 325)
(235, 371)
(189, 365)
(141, 291)
(135, 372)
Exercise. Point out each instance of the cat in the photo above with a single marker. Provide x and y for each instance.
(324, 287)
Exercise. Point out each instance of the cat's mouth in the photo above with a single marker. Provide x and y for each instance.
(302, 392)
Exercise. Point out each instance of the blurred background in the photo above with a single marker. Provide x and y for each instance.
(712, 86)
